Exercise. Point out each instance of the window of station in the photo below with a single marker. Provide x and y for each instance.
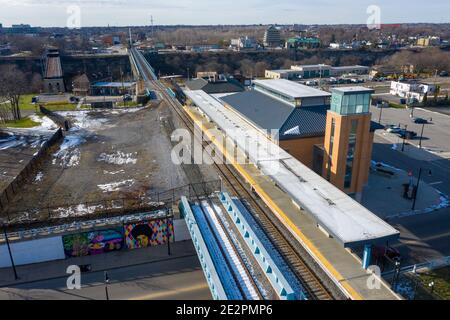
(351, 104)
(350, 154)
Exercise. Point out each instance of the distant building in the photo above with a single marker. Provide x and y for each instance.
(272, 37)
(303, 43)
(215, 84)
(315, 71)
(412, 90)
(5, 49)
(81, 85)
(53, 74)
(243, 43)
(21, 29)
(428, 41)
(113, 88)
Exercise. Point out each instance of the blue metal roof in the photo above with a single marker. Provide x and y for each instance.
(113, 84)
(305, 122)
(264, 111)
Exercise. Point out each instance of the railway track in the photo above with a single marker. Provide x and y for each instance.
(314, 287)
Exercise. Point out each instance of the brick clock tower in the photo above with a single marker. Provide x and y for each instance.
(348, 140)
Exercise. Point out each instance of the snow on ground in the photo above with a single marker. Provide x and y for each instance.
(78, 210)
(113, 172)
(13, 140)
(118, 158)
(45, 123)
(69, 154)
(39, 176)
(116, 186)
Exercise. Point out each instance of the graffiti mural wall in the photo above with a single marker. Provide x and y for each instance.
(93, 243)
(149, 233)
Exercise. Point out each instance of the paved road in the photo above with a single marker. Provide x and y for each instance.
(177, 279)
(436, 135)
(427, 236)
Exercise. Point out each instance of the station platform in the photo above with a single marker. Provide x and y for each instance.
(343, 267)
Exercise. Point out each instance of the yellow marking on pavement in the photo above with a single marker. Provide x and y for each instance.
(171, 293)
(267, 199)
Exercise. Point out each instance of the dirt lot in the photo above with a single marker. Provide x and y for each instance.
(106, 155)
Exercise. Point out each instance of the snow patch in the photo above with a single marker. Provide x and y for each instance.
(39, 176)
(116, 186)
(118, 158)
(45, 123)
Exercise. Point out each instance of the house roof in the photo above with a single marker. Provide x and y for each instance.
(214, 87)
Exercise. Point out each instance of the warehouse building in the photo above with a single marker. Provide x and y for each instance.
(315, 71)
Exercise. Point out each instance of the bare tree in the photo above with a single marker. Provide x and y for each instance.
(13, 84)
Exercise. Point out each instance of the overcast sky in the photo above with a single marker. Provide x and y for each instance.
(138, 12)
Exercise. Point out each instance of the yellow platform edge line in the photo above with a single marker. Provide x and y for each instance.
(267, 199)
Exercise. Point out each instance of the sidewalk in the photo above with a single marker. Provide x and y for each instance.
(103, 262)
(384, 195)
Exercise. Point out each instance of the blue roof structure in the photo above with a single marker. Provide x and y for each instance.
(268, 113)
(113, 84)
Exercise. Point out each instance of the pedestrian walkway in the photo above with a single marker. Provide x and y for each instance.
(103, 262)
(383, 187)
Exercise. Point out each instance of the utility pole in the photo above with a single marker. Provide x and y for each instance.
(381, 112)
(10, 253)
(417, 190)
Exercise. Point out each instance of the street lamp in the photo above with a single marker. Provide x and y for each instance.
(431, 285)
(417, 187)
(404, 137)
(5, 233)
(106, 285)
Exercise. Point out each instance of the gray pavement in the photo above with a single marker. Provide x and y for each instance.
(436, 135)
(139, 274)
(423, 237)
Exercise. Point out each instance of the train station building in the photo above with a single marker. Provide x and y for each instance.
(332, 134)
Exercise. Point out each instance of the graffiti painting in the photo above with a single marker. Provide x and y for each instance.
(146, 234)
(93, 243)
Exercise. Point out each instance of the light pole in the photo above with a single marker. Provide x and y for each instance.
(404, 137)
(106, 285)
(168, 233)
(417, 189)
(10, 253)
(421, 135)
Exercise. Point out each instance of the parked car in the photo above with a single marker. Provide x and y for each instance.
(444, 74)
(127, 97)
(394, 129)
(35, 99)
(74, 99)
(419, 120)
(406, 134)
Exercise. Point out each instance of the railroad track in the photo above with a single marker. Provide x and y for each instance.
(273, 227)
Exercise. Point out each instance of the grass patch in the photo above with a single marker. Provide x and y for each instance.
(25, 104)
(441, 279)
(396, 105)
(22, 123)
(128, 104)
